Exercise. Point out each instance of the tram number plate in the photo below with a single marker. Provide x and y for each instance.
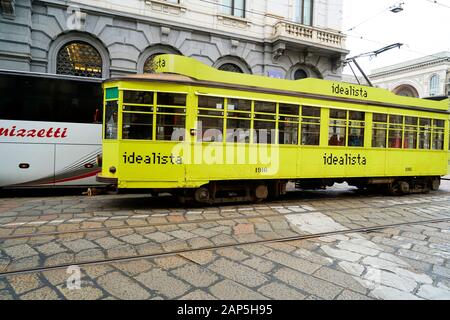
(262, 170)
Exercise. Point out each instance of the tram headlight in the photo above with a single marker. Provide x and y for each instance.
(112, 169)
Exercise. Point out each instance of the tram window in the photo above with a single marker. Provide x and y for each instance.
(288, 133)
(410, 141)
(395, 131)
(310, 134)
(210, 102)
(438, 135)
(337, 129)
(264, 132)
(209, 129)
(238, 130)
(267, 107)
(239, 105)
(310, 127)
(137, 108)
(424, 133)
(137, 126)
(170, 127)
(290, 109)
(139, 97)
(356, 129)
(379, 132)
(111, 120)
(171, 99)
(310, 112)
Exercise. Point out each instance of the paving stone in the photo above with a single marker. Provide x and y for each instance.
(282, 246)
(158, 237)
(196, 276)
(134, 239)
(259, 264)
(134, 267)
(84, 293)
(380, 277)
(232, 254)
(230, 290)
(413, 235)
(341, 254)
(352, 268)
(200, 257)
(387, 293)
(364, 250)
(313, 257)
(238, 272)
(170, 262)
(381, 263)
(149, 249)
(50, 248)
(393, 258)
(244, 228)
(121, 251)
(320, 288)
(175, 245)
(292, 262)
(24, 282)
(199, 243)
(122, 287)
(392, 242)
(60, 258)
(420, 256)
(340, 278)
(181, 234)
(428, 250)
(164, 284)
(198, 295)
(4, 295)
(279, 291)
(433, 293)
(20, 251)
(204, 233)
(90, 255)
(223, 239)
(109, 242)
(442, 271)
(40, 294)
(79, 245)
(97, 270)
(350, 295)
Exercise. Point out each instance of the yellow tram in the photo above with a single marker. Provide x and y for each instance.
(215, 136)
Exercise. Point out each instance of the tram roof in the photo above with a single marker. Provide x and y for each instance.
(178, 68)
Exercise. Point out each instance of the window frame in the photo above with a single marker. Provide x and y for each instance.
(232, 8)
(299, 13)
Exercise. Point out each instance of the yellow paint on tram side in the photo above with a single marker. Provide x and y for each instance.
(189, 164)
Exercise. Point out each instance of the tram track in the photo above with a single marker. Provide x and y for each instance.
(215, 247)
(168, 223)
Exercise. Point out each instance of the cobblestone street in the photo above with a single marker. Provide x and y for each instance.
(334, 244)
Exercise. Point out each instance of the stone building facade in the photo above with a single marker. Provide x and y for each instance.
(102, 38)
(424, 77)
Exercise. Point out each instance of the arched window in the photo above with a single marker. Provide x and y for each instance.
(406, 90)
(231, 67)
(78, 58)
(434, 85)
(300, 74)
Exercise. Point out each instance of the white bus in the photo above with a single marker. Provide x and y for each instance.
(50, 130)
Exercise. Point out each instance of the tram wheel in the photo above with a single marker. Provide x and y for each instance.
(435, 184)
(202, 194)
(261, 192)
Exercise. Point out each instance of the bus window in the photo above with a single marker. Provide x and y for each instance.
(111, 120)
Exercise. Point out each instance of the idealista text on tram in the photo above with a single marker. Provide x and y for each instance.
(349, 90)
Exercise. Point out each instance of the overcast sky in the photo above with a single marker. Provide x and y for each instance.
(423, 27)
